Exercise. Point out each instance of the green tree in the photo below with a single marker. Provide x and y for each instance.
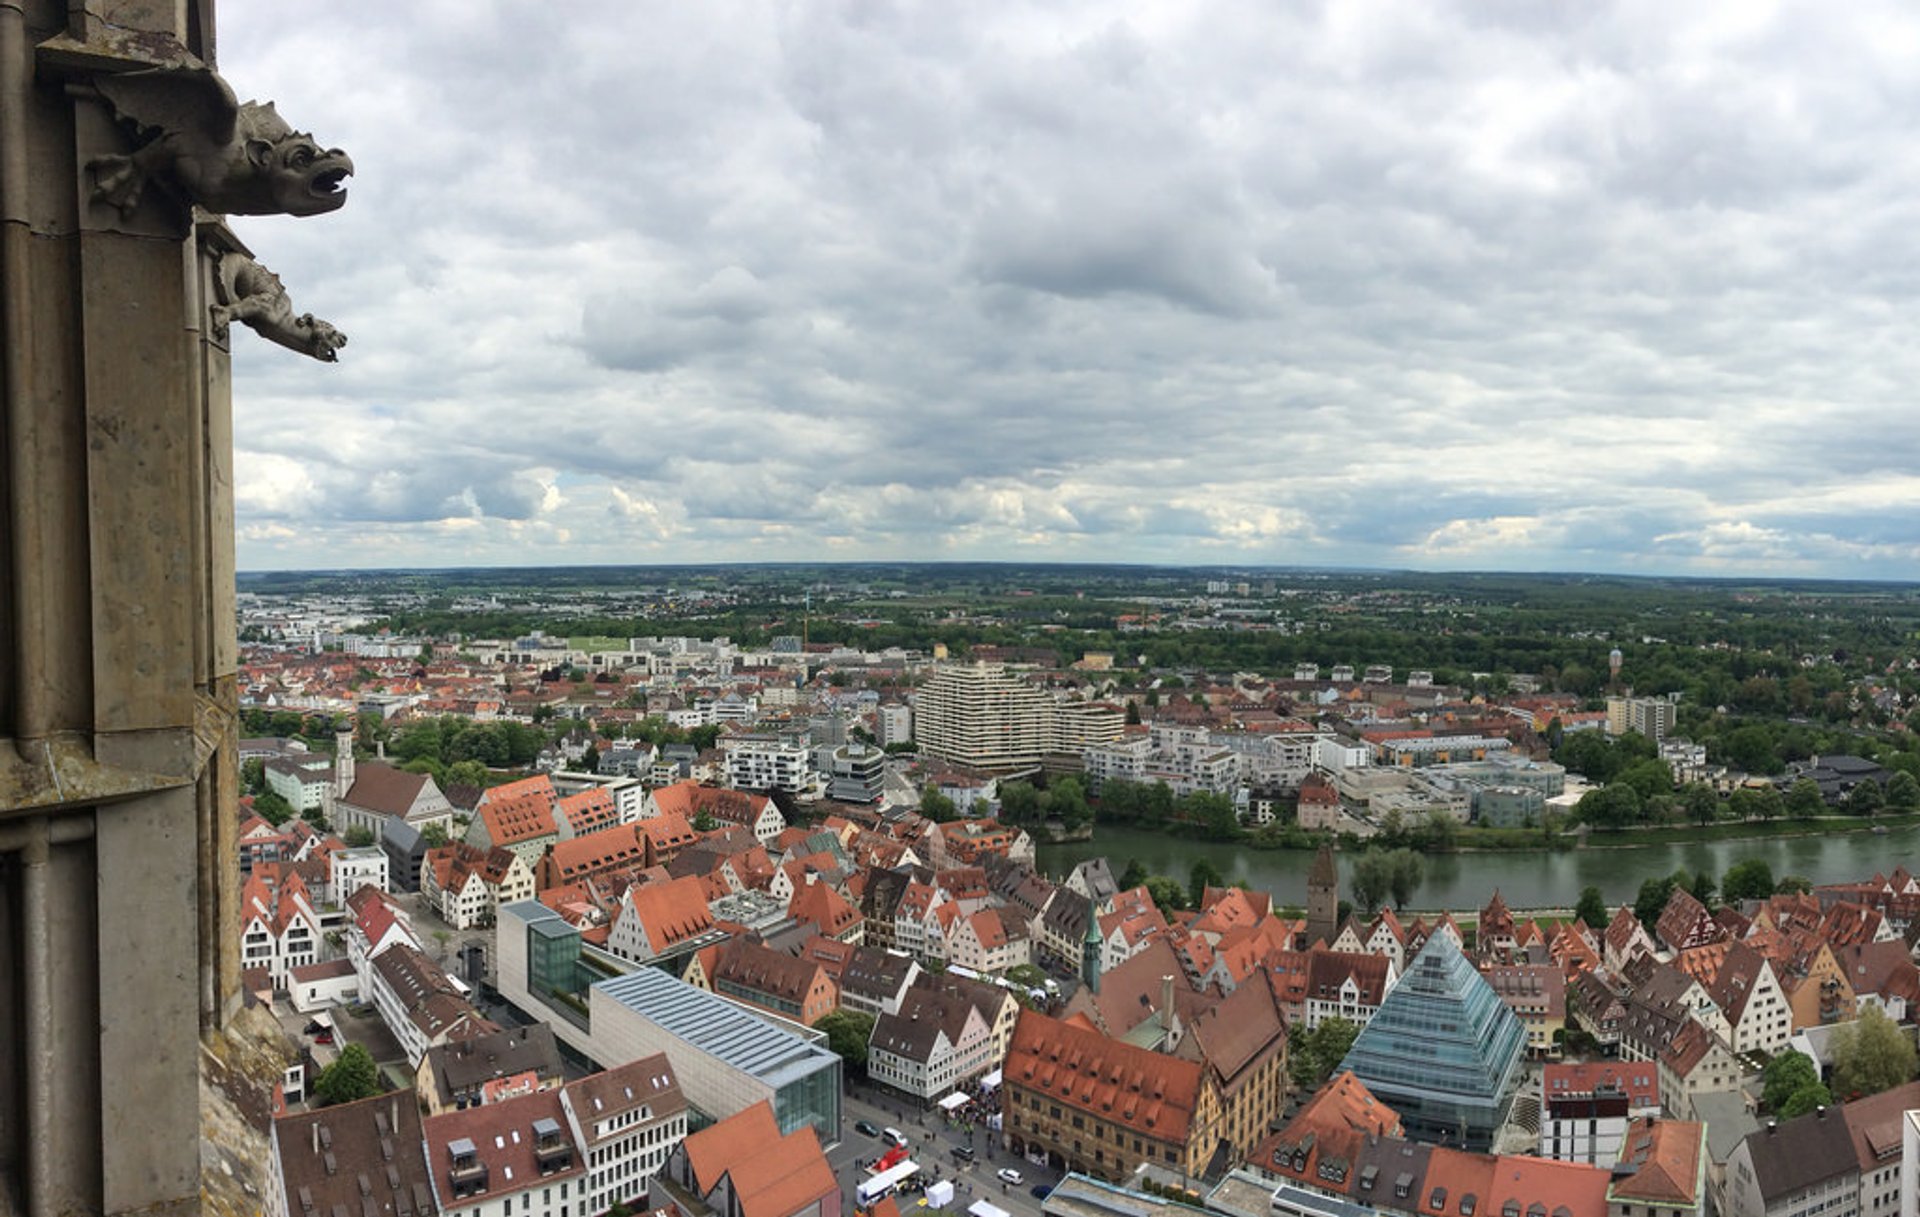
(848, 1034)
(1703, 805)
(1750, 749)
(1870, 1054)
(1650, 777)
(1804, 801)
(434, 835)
(1020, 803)
(1202, 876)
(1783, 1075)
(359, 837)
(1066, 802)
(467, 773)
(1438, 832)
(253, 776)
(1653, 897)
(1903, 791)
(1133, 876)
(935, 805)
(1026, 976)
(1592, 908)
(1167, 894)
(1754, 803)
(1369, 880)
(705, 822)
(1610, 808)
(1405, 871)
(272, 808)
(353, 1075)
(1866, 799)
(1748, 880)
(1317, 1053)
(1794, 885)
(1805, 1099)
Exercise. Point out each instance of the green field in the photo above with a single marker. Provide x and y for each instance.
(596, 642)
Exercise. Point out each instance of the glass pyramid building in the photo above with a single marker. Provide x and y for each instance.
(1443, 1050)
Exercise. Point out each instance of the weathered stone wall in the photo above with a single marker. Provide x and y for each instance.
(118, 781)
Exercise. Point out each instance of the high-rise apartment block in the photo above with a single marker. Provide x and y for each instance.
(979, 715)
(1650, 716)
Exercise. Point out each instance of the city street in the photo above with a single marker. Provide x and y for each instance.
(932, 1144)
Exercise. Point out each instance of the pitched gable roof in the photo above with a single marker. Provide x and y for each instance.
(1148, 1092)
(771, 1175)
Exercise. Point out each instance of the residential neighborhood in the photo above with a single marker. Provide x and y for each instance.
(795, 958)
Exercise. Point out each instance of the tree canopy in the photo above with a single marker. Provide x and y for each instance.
(1592, 908)
(1870, 1054)
(353, 1075)
(848, 1033)
(1317, 1053)
(1748, 880)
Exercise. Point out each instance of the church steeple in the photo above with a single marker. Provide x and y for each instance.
(1091, 947)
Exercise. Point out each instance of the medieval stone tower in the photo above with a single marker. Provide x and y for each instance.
(121, 150)
(1323, 898)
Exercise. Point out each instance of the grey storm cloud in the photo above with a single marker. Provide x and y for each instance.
(1614, 286)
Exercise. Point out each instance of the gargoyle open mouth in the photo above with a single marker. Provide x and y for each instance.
(329, 182)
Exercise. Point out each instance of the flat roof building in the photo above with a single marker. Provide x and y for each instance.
(725, 1056)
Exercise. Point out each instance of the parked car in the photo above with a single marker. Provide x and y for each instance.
(1041, 1191)
(894, 1135)
(313, 1027)
(963, 1152)
(1009, 1175)
(323, 1036)
(866, 1128)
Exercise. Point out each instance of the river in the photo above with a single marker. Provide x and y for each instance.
(1532, 879)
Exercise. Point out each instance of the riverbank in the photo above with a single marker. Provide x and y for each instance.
(1752, 830)
(1822, 852)
(1529, 840)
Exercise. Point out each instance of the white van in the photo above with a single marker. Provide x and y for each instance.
(895, 1136)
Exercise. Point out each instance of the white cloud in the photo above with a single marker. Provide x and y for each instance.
(1615, 286)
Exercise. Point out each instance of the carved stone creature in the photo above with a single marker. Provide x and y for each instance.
(229, 158)
(248, 292)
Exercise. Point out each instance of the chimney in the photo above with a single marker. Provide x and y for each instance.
(1166, 1003)
(316, 1136)
(1820, 1112)
(1773, 1126)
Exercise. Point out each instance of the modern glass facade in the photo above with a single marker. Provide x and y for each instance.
(1443, 1051)
(812, 1098)
(554, 971)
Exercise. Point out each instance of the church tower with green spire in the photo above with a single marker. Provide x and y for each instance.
(1091, 947)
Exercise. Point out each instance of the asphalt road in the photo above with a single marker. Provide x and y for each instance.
(932, 1146)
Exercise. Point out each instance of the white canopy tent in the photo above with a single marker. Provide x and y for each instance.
(981, 1208)
(954, 1101)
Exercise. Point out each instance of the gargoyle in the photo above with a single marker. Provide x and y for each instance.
(248, 292)
(229, 158)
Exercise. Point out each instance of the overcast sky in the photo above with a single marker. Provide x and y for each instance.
(1489, 284)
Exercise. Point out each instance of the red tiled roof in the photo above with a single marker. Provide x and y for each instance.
(1667, 1159)
(1327, 1133)
(771, 1175)
(1152, 1094)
